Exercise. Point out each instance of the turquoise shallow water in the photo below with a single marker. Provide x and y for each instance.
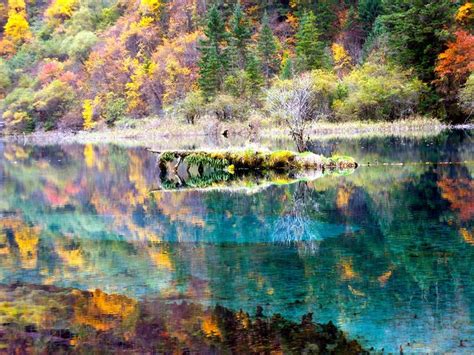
(386, 253)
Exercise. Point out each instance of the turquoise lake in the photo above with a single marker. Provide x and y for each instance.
(386, 252)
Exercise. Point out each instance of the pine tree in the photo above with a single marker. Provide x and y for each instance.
(368, 11)
(267, 48)
(240, 34)
(210, 70)
(417, 32)
(287, 68)
(253, 73)
(309, 49)
(213, 63)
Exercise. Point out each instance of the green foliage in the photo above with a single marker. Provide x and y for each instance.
(213, 63)
(287, 70)
(368, 11)
(192, 106)
(418, 32)
(240, 33)
(246, 83)
(52, 102)
(81, 44)
(378, 92)
(267, 48)
(227, 108)
(309, 48)
(205, 160)
(466, 96)
(17, 108)
(115, 109)
(5, 78)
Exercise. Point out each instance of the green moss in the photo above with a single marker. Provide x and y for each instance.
(203, 159)
(167, 156)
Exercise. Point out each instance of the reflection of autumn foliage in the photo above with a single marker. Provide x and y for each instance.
(65, 320)
(344, 194)
(26, 239)
(103, 311)
(347, 270)
(460, 193)
(468, 236)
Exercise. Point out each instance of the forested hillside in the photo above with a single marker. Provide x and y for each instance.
(86, 64)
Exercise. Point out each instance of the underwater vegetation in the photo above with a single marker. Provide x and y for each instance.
(50, 319)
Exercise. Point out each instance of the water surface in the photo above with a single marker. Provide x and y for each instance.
(386, 253)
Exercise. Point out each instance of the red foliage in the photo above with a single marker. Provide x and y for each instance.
(456, 62)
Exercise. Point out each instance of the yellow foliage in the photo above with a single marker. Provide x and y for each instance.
(347, 271)
(209, 326)
(467, 236)
(73, 258)
(343, 197)
(145, 22)
(140, 71)
(161, 259)
(17, 28)
(61, 9)
(89, 155)
(465, 14)
(103, 311)
(342, 59)
(88, 115)
(151, 6)
(27, 240)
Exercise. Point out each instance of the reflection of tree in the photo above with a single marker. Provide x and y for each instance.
(295, 225)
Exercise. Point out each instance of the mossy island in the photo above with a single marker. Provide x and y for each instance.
(250, 168)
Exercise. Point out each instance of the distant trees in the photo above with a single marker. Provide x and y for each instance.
(136, 58)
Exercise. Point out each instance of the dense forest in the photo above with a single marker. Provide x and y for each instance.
(86, 64)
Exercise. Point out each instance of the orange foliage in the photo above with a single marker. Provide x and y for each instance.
(457, 61)
(467, 236)
(210, 327)
(343, 197)
(103, 311)
(460, 193)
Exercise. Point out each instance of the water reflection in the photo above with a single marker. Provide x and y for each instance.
(386, 252)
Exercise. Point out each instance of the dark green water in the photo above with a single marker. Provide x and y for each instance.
(385, 253)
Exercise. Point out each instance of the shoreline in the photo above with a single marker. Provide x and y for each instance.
(153, 133)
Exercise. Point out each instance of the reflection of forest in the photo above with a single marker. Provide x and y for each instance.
(392, 241)
(39, 319)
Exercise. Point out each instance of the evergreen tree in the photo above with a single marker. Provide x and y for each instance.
(253, 73)
(240, 34)
(267, 48)
(417, 32)
(210, 71)
(287, 69)
(213, 63)
(309, 49)
(368, 11)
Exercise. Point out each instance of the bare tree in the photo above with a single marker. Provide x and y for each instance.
(297, 103)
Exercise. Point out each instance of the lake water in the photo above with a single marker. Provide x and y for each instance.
(386, 252)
